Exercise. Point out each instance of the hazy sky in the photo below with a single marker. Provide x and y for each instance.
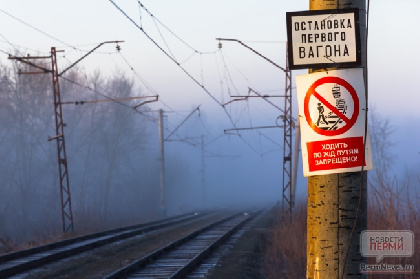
(393, 42)
(32, 27)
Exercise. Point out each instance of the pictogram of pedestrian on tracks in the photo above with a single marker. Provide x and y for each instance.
(340, 105)
(321, 115)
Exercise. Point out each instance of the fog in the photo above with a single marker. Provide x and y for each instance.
(113, 157)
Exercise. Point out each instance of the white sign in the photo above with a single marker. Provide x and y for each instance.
(332, 109)
(326, 38)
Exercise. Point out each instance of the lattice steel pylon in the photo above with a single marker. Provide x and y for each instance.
(287, 142)
(66, 211)
(288, 128)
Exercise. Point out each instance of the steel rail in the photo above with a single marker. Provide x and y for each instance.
(180, 257)
(22, 261)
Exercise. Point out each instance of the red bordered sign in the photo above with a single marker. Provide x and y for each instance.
(332, 108)
(349, 121)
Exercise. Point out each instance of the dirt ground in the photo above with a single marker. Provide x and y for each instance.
(246, 258)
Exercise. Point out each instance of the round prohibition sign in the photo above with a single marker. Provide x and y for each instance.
(349, 122)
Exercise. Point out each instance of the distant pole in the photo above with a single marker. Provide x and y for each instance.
(203, 175)
(287, 144)
(336, 200)
(162, 164)
(295, 162)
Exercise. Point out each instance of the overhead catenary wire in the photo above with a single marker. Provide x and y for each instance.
(269, 139)
(196, 51)
(182, 123)
(181, 67)
(5, 52)
(239, 97)
(84, 56)
(12, 45)
(265, 99)
(252, 128)
(164, 51)
(106, 96)
(102, 101)
(17, 48)
(119, 101)
(163, 39)
(173, 33)
(256, 52)
(36, 29)
(144, 82)
(228, 75)
(73, 47)
(156, 21)
(109, 98)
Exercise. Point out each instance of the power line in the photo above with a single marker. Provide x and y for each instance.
(252, 128)
(16, 46)
(268, 138)
(229, 77)
(74, 47)
(118, 101)
(143, 81)
(182, 123)
(170, 31)
(12, 45)
(165, 52)
(182, 68)
(266, 42)
(265, 99)
(92, 50)
(253, 50)
(109, 98)
(36, 29)
(5, 52)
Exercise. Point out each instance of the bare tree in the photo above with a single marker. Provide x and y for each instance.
(26, 156)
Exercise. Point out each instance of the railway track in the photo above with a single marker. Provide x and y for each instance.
(23, 261)
(181, 257)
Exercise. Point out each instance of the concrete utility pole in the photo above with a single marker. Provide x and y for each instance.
(337, 203)
(162, 164)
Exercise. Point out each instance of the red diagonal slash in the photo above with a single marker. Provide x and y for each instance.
(331, 107)
(349, 122)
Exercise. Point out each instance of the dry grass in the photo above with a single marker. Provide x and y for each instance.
(285, 250)
(390, 207)
(7, 245)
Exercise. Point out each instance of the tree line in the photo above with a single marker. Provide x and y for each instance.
(112, 168)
